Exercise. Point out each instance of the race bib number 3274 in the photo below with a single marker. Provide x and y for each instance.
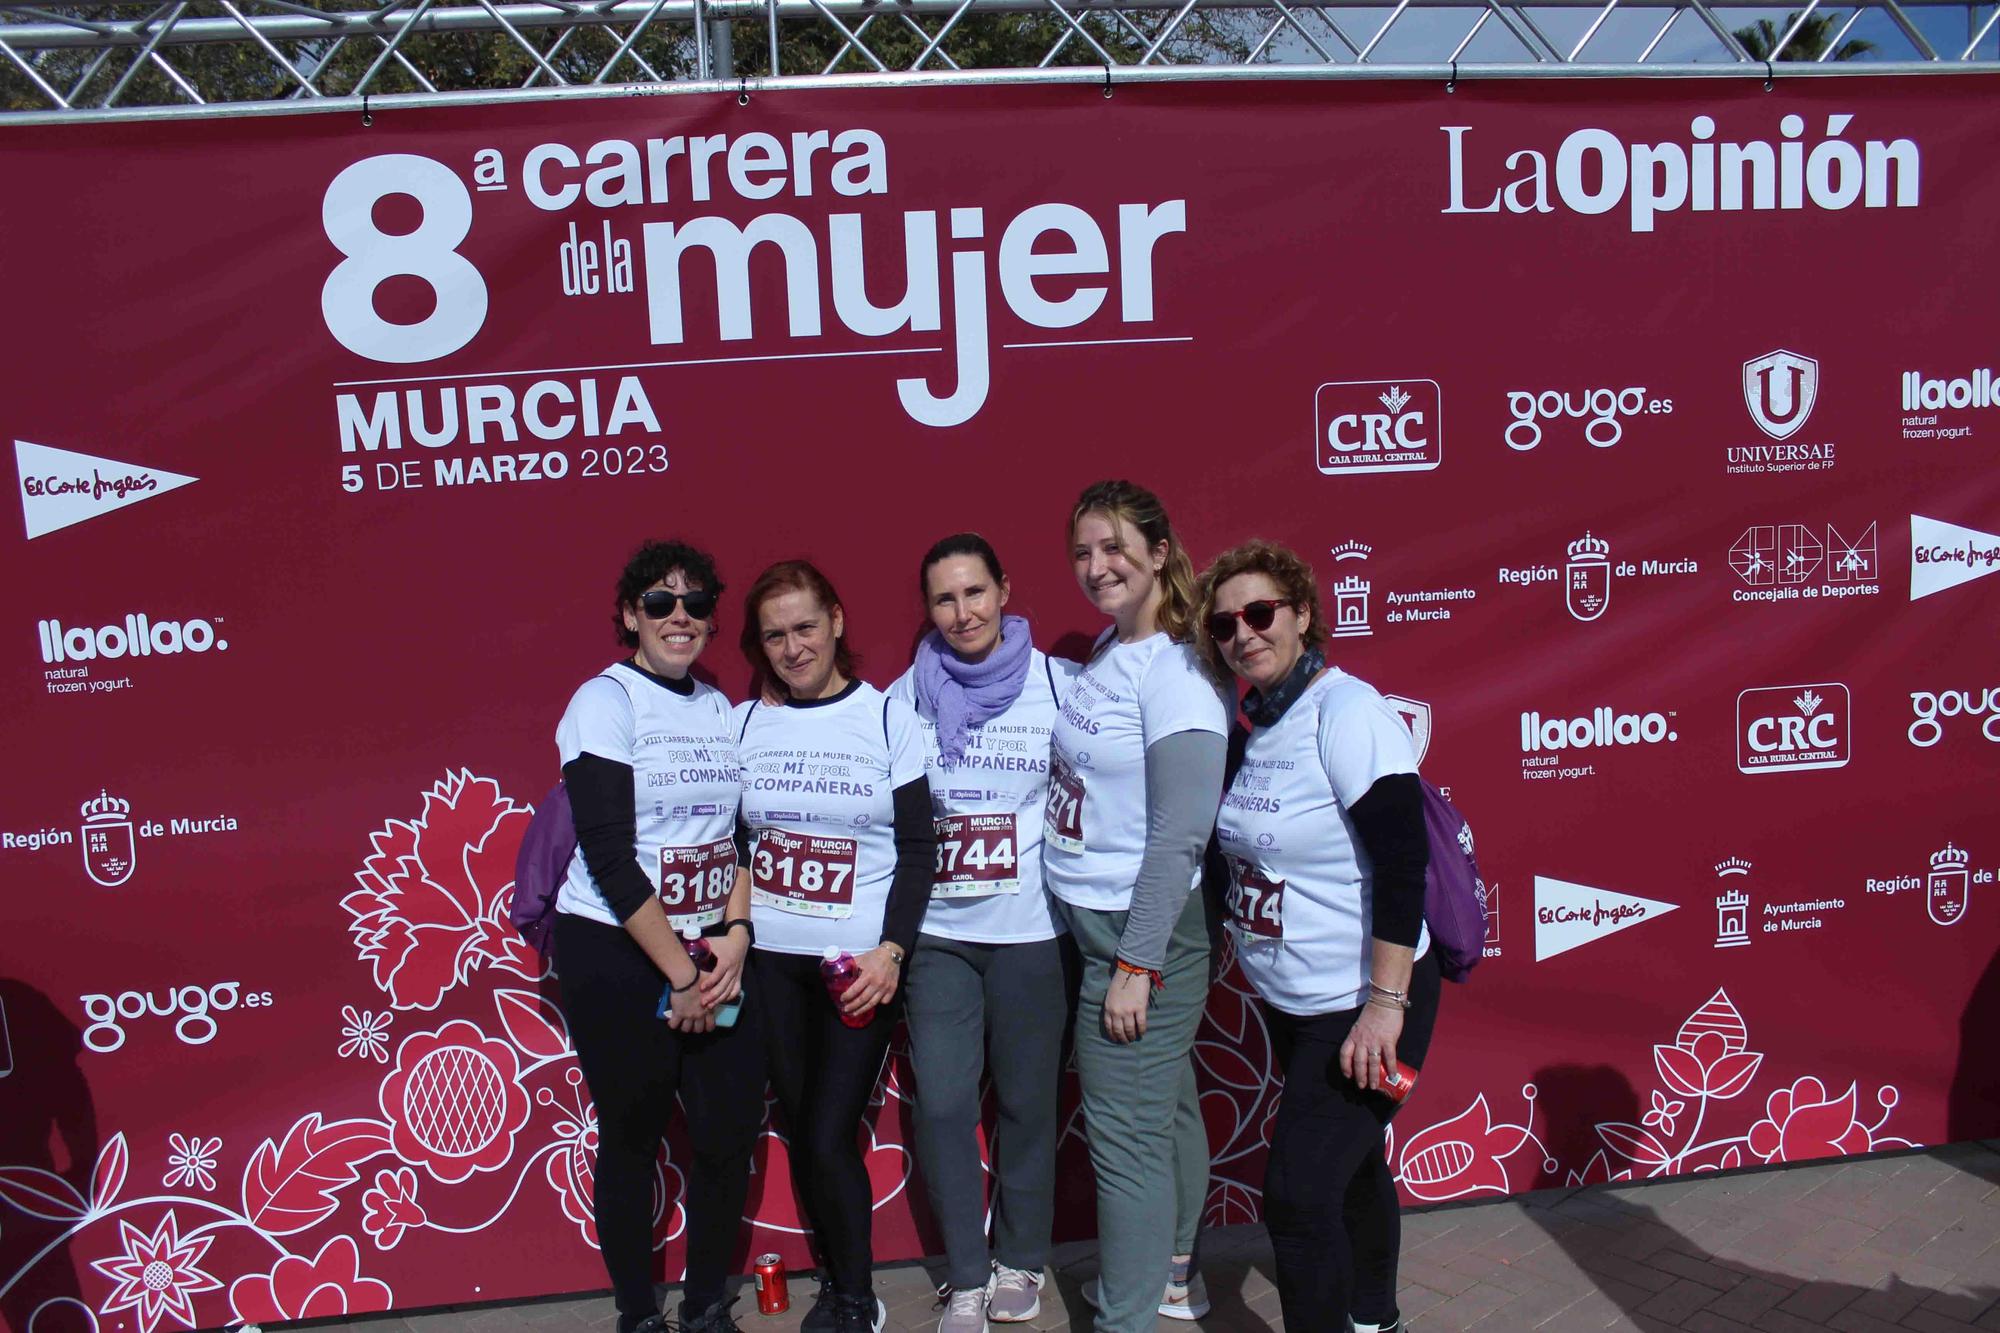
(1256, 902)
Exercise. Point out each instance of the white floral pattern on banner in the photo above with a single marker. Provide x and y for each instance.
(489, 1103)
(365, 1033)
(191, 1162)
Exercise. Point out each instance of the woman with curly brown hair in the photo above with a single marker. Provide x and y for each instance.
(1322, 834)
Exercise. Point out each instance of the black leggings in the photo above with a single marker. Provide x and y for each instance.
(634, 1064)
(823, 1072)
(1329, 1201)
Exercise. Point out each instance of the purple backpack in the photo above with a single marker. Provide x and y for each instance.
(540, 868)
(1454, 894)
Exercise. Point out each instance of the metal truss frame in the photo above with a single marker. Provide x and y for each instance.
(99, 59)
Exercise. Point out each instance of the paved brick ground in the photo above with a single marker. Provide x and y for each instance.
(1907, 1244)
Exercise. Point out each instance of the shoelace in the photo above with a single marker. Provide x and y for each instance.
(962, 1300)
(1013, 1279)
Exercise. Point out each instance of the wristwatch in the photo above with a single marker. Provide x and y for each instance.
(895, 951)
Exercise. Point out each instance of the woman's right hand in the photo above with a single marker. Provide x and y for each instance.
(689, 1014)
(1125, 1005)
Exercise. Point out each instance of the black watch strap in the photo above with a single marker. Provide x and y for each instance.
(744, 922)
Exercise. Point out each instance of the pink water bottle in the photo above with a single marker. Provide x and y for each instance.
(839, 970)
(705, 961)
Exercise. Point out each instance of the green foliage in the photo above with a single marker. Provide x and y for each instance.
(1807, 44)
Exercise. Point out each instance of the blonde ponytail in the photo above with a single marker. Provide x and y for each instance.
(1128, 502)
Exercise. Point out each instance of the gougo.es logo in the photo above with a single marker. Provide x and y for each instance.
(193, 1009)
(1930, 707)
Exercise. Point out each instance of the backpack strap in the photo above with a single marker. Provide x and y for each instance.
(1049, 670)
(886, 744)
(748, 713)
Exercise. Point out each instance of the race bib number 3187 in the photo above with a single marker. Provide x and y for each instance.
(803, 873)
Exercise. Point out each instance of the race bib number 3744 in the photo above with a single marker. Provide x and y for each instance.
(976, 856)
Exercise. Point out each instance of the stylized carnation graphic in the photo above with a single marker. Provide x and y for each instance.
(327, 1285)
(192, 1161)
(454, 1102)
(1464, 1155)
(157, 1275)
(365, 1034)
(390, 1207)
(1801, 1122)
(435, 892)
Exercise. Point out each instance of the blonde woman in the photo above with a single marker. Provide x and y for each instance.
(1136, 767)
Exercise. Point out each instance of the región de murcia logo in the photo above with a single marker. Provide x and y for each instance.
(1946, 890)
(109, 849)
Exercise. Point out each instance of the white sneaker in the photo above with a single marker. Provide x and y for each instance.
(1186, 1295)
(1013, 1295)
(964, 1310)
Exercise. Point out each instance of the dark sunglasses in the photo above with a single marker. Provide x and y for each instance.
(659, 603)
(1257, 615)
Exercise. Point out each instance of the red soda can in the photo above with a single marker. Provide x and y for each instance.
(772, 1297)
(1397, 1082)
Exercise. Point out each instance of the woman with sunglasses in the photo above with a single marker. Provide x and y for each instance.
(1322, 834)
(1136, 768)
(838, 816)
(992, 966)
(649, 765)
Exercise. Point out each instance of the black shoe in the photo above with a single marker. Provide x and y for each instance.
(715, 1319)
(819, 1319)
(652, 1323)
(859, 1314)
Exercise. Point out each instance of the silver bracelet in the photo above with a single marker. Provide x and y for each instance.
(1400, 999)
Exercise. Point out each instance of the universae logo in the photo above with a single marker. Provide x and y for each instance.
(1779, 389)
(1789, 728)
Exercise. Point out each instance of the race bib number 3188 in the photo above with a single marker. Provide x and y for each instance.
(803, 873)
(695, 882)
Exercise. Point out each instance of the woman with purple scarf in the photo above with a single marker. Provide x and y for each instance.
(993, 975)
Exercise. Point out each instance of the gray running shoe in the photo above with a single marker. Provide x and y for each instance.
(1013, 1295)
(964, 1310)
(1186, 1295)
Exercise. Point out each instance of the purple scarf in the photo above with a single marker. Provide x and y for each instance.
(962, 694)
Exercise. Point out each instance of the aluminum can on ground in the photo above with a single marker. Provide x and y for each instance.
(772, 1297)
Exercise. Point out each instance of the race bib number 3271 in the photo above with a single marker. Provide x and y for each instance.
(976, 856)
(1062, 820)
(803, 873)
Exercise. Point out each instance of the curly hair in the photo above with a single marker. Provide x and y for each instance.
(1285, 567)
(1128, 502)
(649, 564)
(783, 577)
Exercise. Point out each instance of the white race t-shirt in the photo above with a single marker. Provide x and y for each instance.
(1301, 889)
(1128, 696)
(685, 784)
(819, 784)
(988, 887)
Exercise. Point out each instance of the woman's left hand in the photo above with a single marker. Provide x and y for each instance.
(877, 983)
(725, 982)
(1370, 1047)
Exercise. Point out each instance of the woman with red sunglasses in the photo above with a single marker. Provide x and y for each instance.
(649, 764)
(1322, 837)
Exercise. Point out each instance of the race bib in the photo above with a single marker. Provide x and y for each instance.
(976, 857)
(1062, 820)
(803, 873)
(1256, 902)
(695, 882)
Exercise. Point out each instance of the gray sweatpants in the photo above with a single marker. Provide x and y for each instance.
(1147, 1143)
(1014, 1000)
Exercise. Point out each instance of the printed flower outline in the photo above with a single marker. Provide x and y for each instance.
(454, 1101)
(435, 893)
(158, 1274)
(191, 1162)
(1801, 1122)
(572, 1168)
(325, 1286)
(366, 1033)
(1664, 1112)
(389, 1207)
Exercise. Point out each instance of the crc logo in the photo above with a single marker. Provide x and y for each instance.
(1598, 409)
(1927, 730)
(1789, 727)
(193, 1009)
(1378, 426)
(109, 849)
(1779, 388)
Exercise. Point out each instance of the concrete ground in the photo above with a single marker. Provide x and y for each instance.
(1905, 1244)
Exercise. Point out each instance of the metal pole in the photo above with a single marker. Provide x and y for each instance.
(722, 49)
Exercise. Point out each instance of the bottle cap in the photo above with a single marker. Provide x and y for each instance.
(690, 933)
(831, 953)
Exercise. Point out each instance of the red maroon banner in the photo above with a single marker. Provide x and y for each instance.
(1642, 434)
